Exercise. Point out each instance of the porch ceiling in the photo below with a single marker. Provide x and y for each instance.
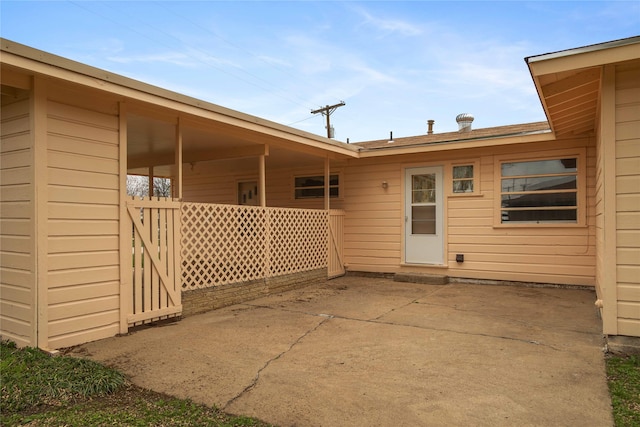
(152, 141)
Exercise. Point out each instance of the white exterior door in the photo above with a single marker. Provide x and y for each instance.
(423, 216)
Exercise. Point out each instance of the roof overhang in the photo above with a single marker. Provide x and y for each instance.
(492, 141)
(235, 127)
(569, 83)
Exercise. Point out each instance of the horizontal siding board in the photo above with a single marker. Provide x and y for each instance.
(83, 276)
(16, 294)
(629, 327)
(627, 184)
(572, 251)
(82, 244)
(15, 193)
(15, 260)
(628, 292)
(21, 175)
(629, 310)
(87, 322)
(88, 335)
(628, 148)
(98, 196)
(513, 267)
(16, 159)
(15, 310)
(508, 241)
(628, 238)
(628, 274)
(15, 210)
(83, 292)
(75, 178)
(16, 277)
(16, 125)
(627, 96)
(628, 220)
(81, 130)
(627, 130)
(79, 114)
(82, 211)
(16, 330)
(83, 228)
(19, 244)
(68, 144)
(15, 227)
(15, 143)
(78, 162)
(628, 256)
(628, 166)
(628, 202)
(82, 308)
(82, 260)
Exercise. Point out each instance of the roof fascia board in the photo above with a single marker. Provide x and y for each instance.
(44, 63)
(586, 57)
(460, 145)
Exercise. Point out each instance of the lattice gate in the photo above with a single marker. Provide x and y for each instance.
(155, 275)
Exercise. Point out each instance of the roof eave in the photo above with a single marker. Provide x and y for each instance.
(40, 62)
(492, 141)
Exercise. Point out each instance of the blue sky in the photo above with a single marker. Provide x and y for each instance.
(395, 64)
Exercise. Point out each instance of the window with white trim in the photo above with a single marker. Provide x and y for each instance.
(539, 191)
(312, 187)
(463, 179)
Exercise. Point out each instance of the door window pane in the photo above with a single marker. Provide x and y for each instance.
(423, 220)
(423, 188)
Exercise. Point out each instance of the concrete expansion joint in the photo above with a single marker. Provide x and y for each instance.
(255, 380)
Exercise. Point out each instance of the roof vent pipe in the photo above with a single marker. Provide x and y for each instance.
(430, 124)
(390, 138)
(464, 122)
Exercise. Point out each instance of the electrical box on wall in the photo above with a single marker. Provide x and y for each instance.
(459, 257)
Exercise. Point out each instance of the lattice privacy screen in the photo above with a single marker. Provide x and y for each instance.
(228, 244)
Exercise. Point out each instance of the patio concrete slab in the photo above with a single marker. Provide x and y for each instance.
(363, 351)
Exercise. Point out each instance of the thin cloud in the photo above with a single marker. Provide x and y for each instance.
(389, 26)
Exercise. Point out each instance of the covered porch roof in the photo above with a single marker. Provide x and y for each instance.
(569, 83)
(156, 118)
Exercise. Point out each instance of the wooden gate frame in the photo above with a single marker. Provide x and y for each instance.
(151, 293)
(335, 246)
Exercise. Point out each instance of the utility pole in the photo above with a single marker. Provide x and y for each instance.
(326, 111)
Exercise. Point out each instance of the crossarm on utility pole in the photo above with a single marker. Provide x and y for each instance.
(327, 111)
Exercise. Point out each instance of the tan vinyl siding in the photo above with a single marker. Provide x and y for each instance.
(374, 222)
(17, 265)
(627, 128)
(83, 215)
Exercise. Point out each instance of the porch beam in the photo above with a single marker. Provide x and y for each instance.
(143, 161)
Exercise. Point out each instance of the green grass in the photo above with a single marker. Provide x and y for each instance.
(623, 375)
(41, 390)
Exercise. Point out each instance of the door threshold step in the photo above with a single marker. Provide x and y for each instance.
(422, 278)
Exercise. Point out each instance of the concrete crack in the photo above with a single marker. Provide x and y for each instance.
(255, 380)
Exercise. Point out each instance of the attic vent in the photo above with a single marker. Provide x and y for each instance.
(464, 122)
